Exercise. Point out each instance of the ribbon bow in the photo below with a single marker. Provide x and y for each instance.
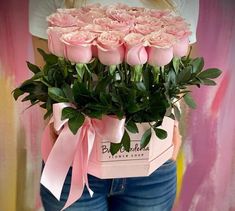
(73, 150)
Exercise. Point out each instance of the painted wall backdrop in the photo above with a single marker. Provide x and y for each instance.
(206, 164)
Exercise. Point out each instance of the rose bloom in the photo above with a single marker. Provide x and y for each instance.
(148, 20)
(119, 26)
(90, 16)
(63, 20)
(181, 32)
(78, 46)
(55, 46)
(103, 21)
(112, 25)
(170, 20)
(146, 29)
(95, 28)
(120, 15)
(110, 48)
(135, 11)
(136, 53)
(160, 50)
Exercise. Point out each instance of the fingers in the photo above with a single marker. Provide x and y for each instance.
(177, 141)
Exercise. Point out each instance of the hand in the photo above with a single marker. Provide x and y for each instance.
(177, 141)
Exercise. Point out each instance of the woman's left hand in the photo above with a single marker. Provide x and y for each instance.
(177, 141)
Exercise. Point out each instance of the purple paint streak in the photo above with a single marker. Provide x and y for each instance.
(207, 180)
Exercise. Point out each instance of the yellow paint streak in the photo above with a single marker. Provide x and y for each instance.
(180, 173)
(8, 146)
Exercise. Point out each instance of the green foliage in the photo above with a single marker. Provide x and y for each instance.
(140, 94)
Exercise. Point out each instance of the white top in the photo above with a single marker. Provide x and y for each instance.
(39, 10)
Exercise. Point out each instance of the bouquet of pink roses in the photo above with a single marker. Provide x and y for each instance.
(129, 62)
(109, 69)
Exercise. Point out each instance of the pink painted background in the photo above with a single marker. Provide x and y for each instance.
(207, 160)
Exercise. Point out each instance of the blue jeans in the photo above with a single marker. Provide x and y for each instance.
(152, 193)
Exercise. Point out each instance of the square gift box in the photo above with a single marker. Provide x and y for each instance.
(137, 162)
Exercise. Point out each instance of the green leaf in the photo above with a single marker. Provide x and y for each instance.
(131, 126)
(171, 77)
(34, 68)
(210, 73)
(208, 82)
(145, 138)
(76, 122)
(63, 67)
(132, 108)
(17, 92)
(184, 75)
(189, 101)
(57, 94)
(67, 90)
(32, 79)
(114, 148)
(197, 64)
(80, 71)
(68, 113)
(176, 64)
(102, 84)
(126, 141)
(176, 112)
(146, 77)
(140, 86)
(160, 133)
(48, 58)
(96, 114)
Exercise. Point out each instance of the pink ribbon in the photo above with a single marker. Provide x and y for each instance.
(73, 150)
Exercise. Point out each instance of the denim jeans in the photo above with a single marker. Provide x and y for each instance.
(152, 193)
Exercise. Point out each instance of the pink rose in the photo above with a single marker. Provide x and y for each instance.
(91, 16)
(180, 48)
(160, 39)
(148, 20)
(102, 21)
(95, 28)
(146, 29)
(119, 26)
(90, 12)
(136, 53)
(63, 20)
(135, 11)
(120, 15)
(78, 46)
(181, 32)
(160, 51)
(112, 24)
(110, 48)
(159, 56)
(171, 20)
(55, 46)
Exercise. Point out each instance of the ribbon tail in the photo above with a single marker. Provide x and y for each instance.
(77, 184)
(80, 166)
(88, 146)
(59, 161)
